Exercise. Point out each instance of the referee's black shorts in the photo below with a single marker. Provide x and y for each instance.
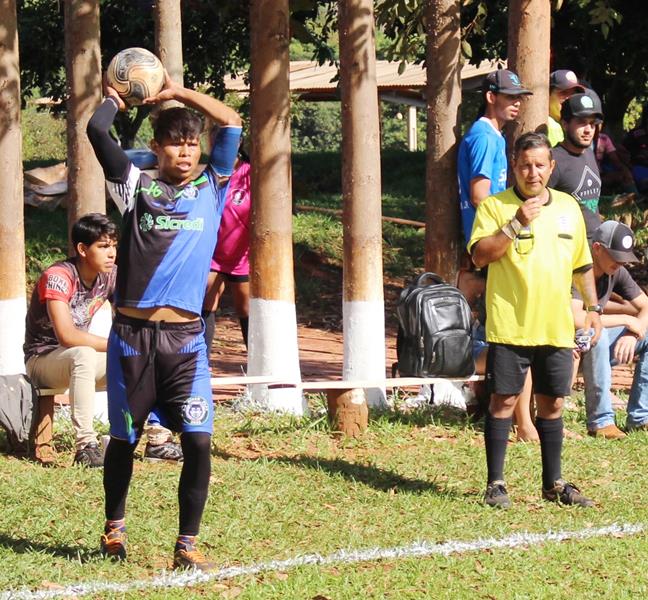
(551, 369)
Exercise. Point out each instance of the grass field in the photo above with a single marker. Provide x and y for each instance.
(283, 488)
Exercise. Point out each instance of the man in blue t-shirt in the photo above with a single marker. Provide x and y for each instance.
(481, 165)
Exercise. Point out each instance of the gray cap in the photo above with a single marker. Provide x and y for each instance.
(617, 239)
(564, 79)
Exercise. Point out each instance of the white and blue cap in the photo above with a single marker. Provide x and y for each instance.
(617, 239)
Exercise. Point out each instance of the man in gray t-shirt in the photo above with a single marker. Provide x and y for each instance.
(623, 337)
(576, 171)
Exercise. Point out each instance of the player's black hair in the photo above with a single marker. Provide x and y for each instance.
(242, 152)
(91, 227)
(177, 124)
(530, 140)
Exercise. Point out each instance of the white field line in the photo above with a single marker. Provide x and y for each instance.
(416, 549)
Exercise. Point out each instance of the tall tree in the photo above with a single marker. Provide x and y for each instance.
(528, 51)
(86, 189)
(12, 240)
(363, 305)
(443, 95)
(168, 37)
(273, 320)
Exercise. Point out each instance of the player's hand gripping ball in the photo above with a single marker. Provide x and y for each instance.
(135, 74)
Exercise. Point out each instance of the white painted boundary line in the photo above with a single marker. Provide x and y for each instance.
(416, 549)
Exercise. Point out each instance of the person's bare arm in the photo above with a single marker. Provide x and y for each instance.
(219, 113)
(624, 349)
(66, 333)
(479, 190)
(586, 286)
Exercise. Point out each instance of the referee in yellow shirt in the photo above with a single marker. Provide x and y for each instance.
(533, 241)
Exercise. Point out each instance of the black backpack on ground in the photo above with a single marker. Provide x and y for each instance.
(434, 331)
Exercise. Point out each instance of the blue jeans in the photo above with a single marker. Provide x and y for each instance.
(597, 372)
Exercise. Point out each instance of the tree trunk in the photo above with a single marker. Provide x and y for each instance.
(363, 304)
(12, 224)
(273, 321)
(529, 43)
(168, 41)
(347, 410)
(86, 188)
(443, 92)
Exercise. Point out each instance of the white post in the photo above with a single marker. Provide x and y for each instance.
(412, 137)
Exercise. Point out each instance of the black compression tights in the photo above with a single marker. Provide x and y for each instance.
(194, 479)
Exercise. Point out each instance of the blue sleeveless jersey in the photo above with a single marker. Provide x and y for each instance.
(170, 232)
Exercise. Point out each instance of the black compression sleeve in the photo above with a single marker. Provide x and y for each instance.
(112, 158)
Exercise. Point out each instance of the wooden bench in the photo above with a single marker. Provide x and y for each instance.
(43, 430)
(346, 404)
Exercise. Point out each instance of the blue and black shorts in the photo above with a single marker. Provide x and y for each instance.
(161, 366)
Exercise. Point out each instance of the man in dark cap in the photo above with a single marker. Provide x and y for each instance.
(622, 337)
(576, 170)
(482, 165)
(563, 84)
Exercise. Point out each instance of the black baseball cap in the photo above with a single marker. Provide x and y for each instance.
(617, 239)
(564, 79)
(504, 81)
(587, 104)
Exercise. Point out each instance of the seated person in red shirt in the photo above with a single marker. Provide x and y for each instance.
(59, 350)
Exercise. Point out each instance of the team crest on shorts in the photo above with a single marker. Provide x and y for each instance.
(238, 197)
(195, 410)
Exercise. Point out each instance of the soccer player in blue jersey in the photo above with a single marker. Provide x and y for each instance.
(157, 355)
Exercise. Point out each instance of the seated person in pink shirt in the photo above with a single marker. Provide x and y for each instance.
(230, 264)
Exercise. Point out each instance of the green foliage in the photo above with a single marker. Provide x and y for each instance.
(633, 114)
(43, 135)
(45, 241)
(315, 126)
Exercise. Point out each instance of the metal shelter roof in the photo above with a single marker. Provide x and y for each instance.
(317, 82)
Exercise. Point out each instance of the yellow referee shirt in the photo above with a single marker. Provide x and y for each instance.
(528, 290)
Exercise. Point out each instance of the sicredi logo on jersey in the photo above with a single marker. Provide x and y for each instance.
(166, 223)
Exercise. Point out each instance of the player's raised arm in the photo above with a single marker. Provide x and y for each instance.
(216, 110)
(109, 154)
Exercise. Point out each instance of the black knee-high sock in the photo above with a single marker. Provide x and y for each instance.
(194, 480)
(550, 432)
(118, 469)
(210, 325)
(496, 433)
(244, 321)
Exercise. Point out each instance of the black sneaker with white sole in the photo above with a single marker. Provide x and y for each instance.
(89, 456)
(168, 451)
(496, 495)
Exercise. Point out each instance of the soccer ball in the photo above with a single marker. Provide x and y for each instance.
(135, 74)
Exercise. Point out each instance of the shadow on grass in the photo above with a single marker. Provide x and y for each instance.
(23, 546)
(380, 479)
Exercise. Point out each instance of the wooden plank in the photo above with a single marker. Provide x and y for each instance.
(338, 213)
